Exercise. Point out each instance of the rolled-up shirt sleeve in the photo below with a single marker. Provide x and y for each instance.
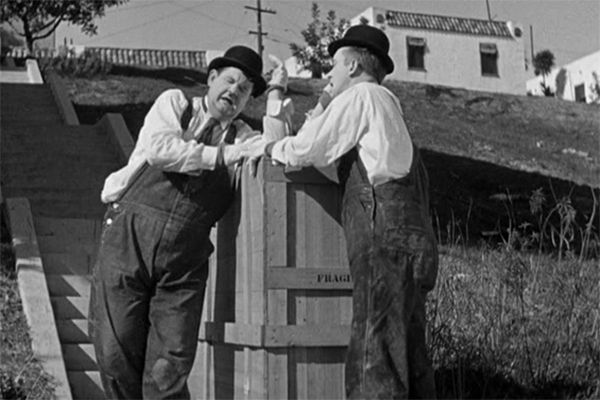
(325, 138)
(162, 137)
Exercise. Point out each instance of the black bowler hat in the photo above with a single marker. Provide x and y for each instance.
(369, 37)
(248, 61)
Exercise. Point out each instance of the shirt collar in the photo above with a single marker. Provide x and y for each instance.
(206, 115)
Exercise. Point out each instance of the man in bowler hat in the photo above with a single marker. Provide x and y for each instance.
(385, 215)
(150, 275)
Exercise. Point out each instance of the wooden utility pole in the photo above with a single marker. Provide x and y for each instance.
(259, 31)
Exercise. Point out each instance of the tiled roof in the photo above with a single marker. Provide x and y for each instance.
(152, 58)
(447, 24)
(141, 57)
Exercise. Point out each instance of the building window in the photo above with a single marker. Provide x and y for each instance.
(580, 93)
(416, 52)
(489, 59)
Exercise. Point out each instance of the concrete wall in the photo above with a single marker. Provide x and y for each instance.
(453, 59)
(583, 71)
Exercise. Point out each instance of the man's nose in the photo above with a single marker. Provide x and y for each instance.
(236, 88)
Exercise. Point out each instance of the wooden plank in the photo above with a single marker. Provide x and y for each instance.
(86, 385)
(276, 223)
(232, 333)
(306, 335)
(34, 295)
(321, 373)
(276, 210)
(276, 335)
(309, 278)
(314, 214)
(315, 176)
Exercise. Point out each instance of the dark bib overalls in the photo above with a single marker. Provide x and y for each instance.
(149, 279)
(393, 261)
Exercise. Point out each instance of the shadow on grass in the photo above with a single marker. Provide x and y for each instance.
(471, 200)
(482, 199)
(472, 383)
(178, 76)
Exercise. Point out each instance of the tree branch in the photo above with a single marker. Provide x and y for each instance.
(56, 22)
(50, 23)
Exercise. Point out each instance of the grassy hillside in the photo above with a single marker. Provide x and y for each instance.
(544, 135)
(486, 154)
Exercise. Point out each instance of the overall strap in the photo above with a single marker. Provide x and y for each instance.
(184, 122)
(349, 161)
(186, 116)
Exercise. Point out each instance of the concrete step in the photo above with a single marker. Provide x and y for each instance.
(44, 166)
(14, 108)
(70, 307)
(87, 207)
(51, 188)
(19, 121)
(69, 285)
(68, 263)
(86, 385)
(73, 331)
(20, 140)
(79, 357)
(51, 195)
(95, 155)
(7, 88)
(31, 104)
(60, 205)
(54, 131)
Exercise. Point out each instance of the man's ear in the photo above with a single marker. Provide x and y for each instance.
(212, 74)
(353, 67)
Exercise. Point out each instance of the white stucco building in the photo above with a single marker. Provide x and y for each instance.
(452, 51)
(575, 81)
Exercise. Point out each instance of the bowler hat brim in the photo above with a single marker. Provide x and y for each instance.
(387, 62)
(259, 83)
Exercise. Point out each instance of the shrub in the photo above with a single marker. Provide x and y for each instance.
(86, 65)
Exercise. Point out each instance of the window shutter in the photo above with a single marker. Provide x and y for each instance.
(488, 48)
(415, 41)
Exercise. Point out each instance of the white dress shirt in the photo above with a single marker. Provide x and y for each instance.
(367, 116)
(164, 144)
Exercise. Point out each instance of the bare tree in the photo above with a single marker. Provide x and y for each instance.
(37, 19)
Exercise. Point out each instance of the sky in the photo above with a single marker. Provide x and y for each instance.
(568, 28)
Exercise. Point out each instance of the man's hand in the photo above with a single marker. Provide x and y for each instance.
(253, 150)
(253, 147)
(279, 75)
(250, 148)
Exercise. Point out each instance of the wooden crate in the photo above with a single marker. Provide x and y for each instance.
(278, 306)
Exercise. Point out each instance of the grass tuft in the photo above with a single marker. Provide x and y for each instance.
(21, 376)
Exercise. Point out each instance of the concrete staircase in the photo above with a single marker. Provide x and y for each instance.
(60, 169)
